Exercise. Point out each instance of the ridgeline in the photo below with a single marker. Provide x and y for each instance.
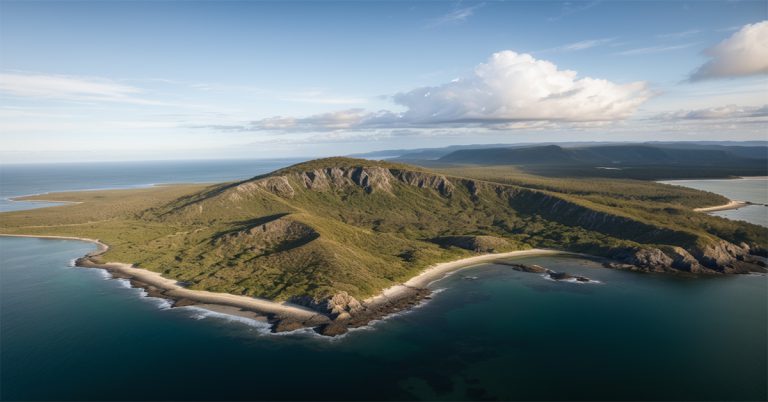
(344, 229)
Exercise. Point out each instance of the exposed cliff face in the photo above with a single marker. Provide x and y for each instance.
(426, 180)
(717, 257)
(275, 184)
(370, 179)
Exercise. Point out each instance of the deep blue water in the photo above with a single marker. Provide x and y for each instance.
(72, 334)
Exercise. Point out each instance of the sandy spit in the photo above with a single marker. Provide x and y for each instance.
(733, 204)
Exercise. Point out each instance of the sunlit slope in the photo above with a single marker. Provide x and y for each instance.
(340, 224)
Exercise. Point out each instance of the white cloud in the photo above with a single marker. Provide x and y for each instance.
(581, 45)
(717, 113)
(743, 53)
(456, 16)
(654, 49)
(60, 87)
(510, 87)
(586, 44)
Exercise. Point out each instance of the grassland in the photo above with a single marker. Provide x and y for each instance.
(346, 225)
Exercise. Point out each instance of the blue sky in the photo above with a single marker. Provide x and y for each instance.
(119, 80)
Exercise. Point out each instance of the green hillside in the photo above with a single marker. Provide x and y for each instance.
(326, 226)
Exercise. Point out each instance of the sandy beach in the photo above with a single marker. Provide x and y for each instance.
(439, 271)
(396, 297)
(202, 298)
(733, 204)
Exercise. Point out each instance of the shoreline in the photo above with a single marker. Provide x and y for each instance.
(286, 317)
(732, 204)
(439, 271)
(158, 286)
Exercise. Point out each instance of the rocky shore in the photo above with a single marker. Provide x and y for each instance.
(337, 314)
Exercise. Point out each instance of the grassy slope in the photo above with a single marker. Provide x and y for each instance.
(263, 240)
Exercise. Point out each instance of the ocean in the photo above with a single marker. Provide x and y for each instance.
(489, 333)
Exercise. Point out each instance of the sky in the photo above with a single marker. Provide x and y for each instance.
(149, 80)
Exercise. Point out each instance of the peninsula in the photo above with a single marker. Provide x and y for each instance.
(337, 242)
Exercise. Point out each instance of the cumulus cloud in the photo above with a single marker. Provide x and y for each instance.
(510, 87)
(743, 53)
(718, 113)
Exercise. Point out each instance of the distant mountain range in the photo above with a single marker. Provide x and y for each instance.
(437, 153)
(645, 161)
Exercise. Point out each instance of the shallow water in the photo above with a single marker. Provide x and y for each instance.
(752, 189)
(72, 334)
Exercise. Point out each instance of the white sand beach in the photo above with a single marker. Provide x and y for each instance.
(733, 204)
(439, 271)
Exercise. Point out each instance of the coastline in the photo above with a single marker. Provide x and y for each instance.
(441, 270)
(287, 316)
(732, 204)
(159, 286)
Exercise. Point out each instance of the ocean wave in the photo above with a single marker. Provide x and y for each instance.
(200, 313)
(106, 275)
(161, 302)
(125, 283)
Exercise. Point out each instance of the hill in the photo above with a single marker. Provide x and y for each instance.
(348, 228)
(622, 161)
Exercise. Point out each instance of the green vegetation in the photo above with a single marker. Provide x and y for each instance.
(339, 224)
(627, 161)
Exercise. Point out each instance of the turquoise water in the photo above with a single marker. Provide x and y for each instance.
(752, 189)
(73, 334)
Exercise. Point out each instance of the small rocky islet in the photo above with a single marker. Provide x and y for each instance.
(538, 269)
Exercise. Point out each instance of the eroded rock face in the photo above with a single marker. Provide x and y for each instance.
(683, 260)
(473, 188)
(342, 305)
(276, 184)
(315, 180)
(651, 259)
(423, 180)
(716, 257)
(719, 254)
(371, 179)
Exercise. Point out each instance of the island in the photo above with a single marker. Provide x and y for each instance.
(336, 243)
